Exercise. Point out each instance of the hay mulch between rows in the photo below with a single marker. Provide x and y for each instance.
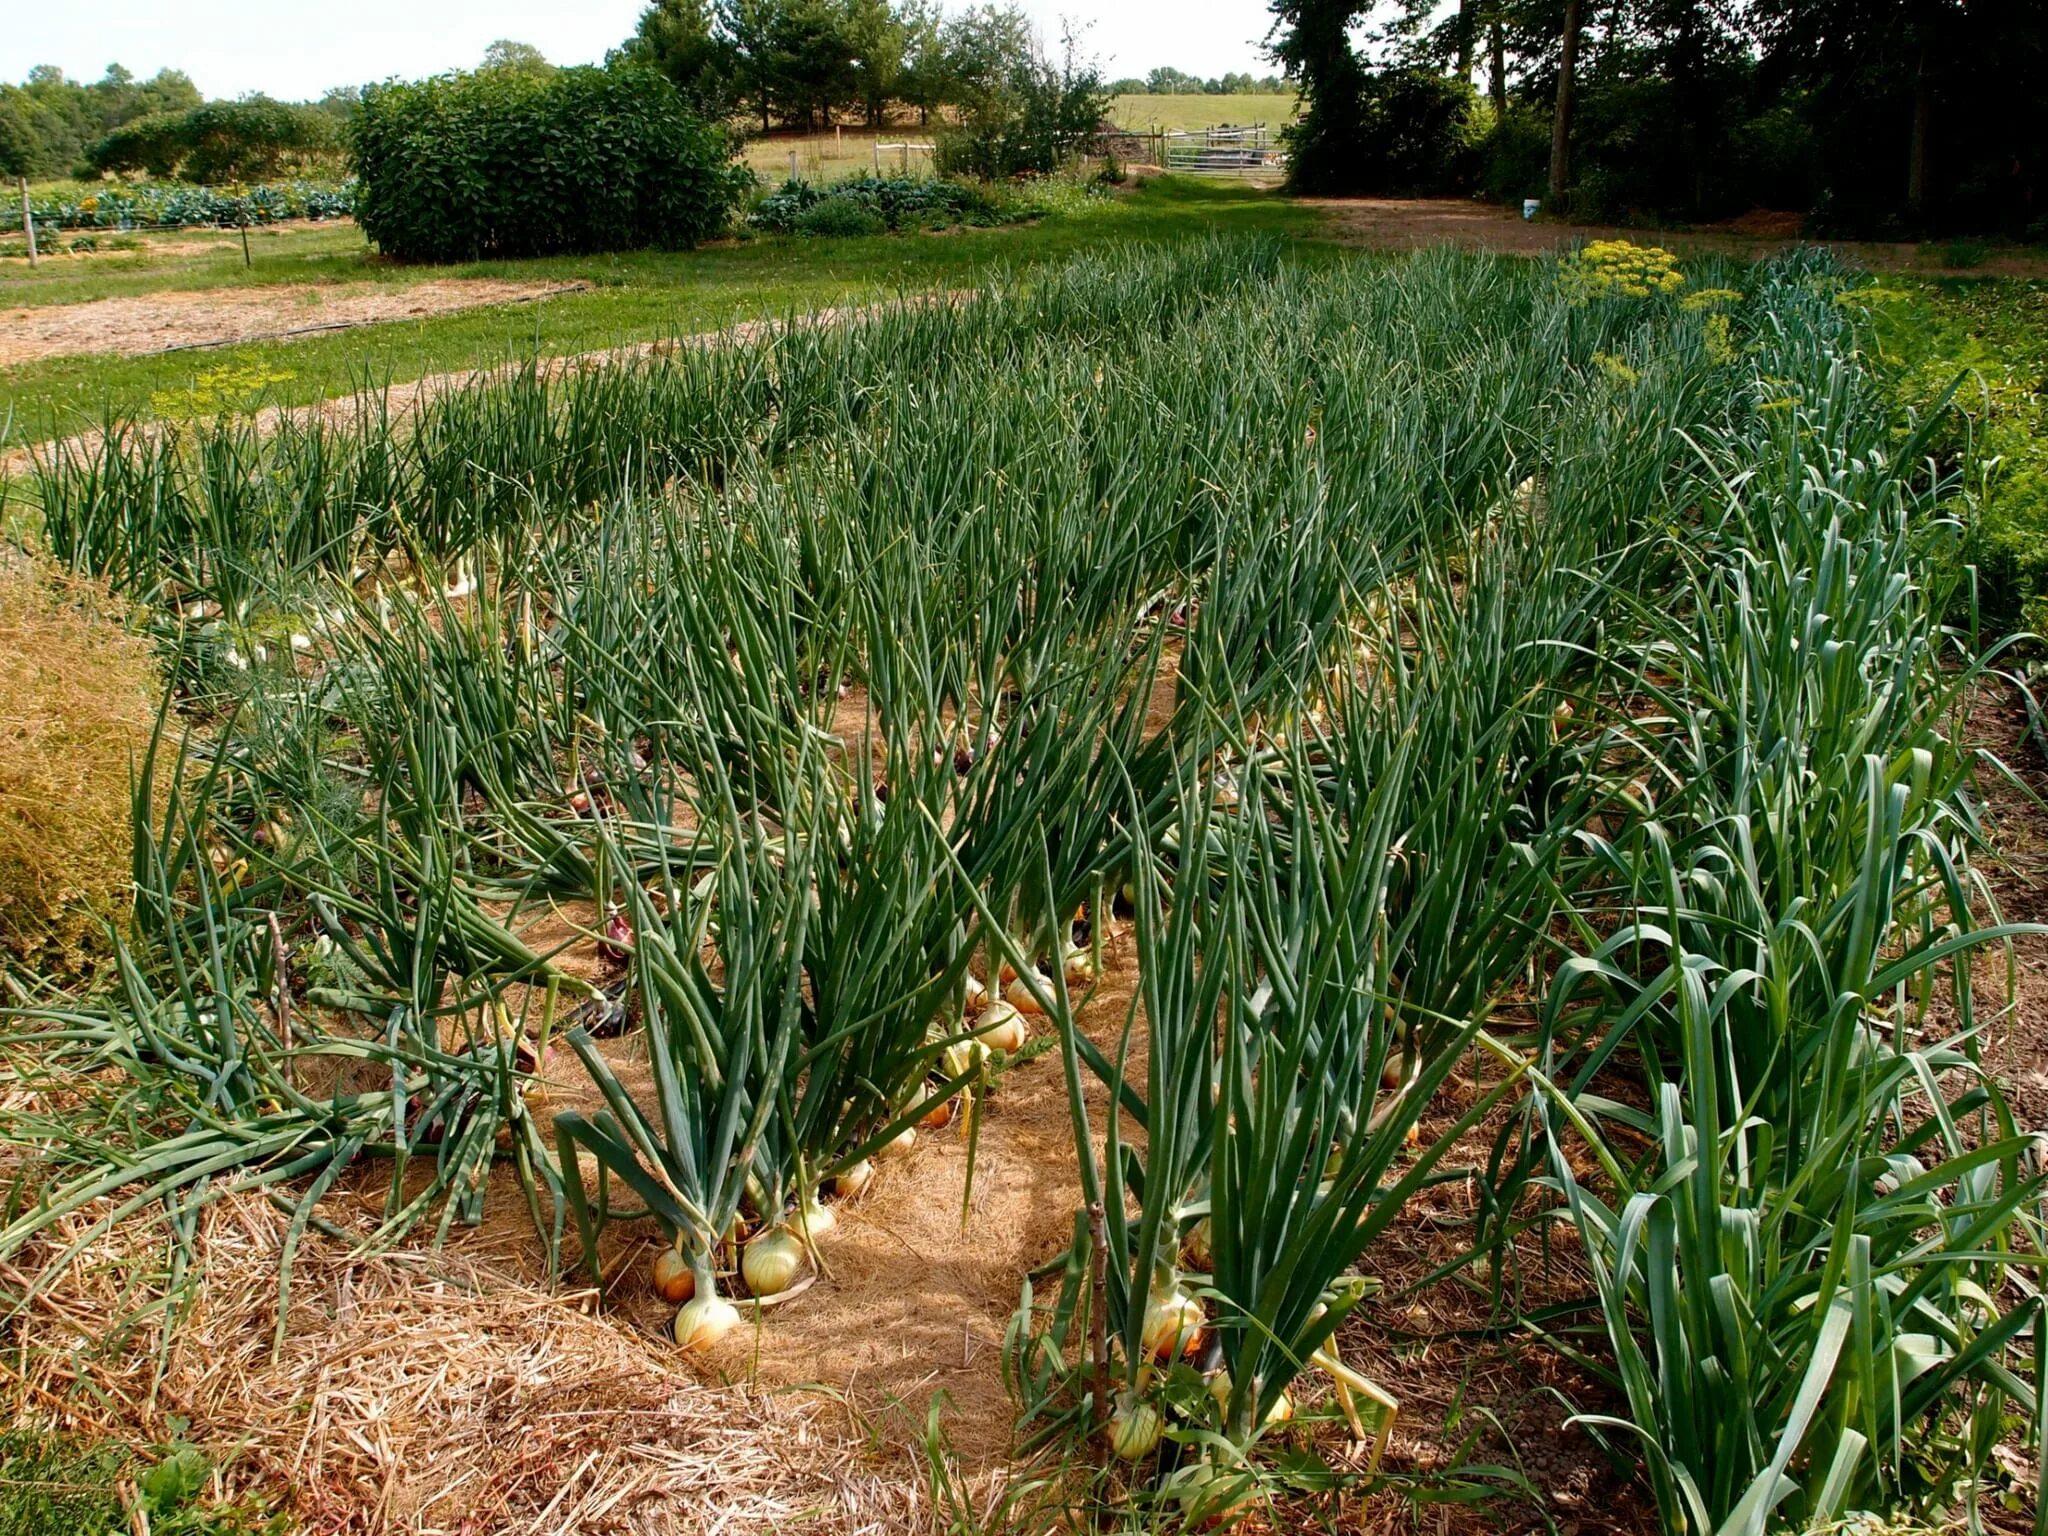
(427, 1394)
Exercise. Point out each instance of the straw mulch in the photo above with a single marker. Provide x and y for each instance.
(424, 1395)
(77, 700)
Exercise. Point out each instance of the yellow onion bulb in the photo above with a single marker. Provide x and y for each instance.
(1080, 967)
(939, 1116)
(975, 993)
(1021, 998)
(673, 1277)
(898, 1146)
(705, 1320)
(1173, 1324)
(1002, 1028)
(771, 1262)
(1134, 1429)
(851, 1181)
(814, 1220)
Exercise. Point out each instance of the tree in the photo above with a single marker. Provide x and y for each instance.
(218, 141)
(18, 146)
(1561, 122)
(1312, 39)
(680, 38)
(876, 36)
(925, 80)
(516, 58)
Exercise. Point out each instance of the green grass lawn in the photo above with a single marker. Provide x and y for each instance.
(198, 258)
(635, 296)
(1185, 113)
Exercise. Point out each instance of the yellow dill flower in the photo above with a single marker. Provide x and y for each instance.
(1616, 369)
(1618, 269)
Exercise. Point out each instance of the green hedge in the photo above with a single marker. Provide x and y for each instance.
(497, 164)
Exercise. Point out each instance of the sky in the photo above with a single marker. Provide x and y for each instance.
(295, 49)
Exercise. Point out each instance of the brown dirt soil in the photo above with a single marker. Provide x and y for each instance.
(1413, 224)
(161, 322)
(2017, 828)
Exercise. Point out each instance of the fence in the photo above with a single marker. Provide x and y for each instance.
(1222, 151)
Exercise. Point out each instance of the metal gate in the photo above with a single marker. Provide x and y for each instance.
(1223, 151)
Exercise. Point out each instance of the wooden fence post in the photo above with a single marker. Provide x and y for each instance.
(28, 222)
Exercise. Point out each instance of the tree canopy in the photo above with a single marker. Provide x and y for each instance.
(1871, 116)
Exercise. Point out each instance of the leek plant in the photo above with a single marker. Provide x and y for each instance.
(1815, 1235)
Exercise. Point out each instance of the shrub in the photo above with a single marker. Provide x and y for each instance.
(1410, 132)
(1039, 117)
(840, 216)
(76, 691)
(869, 205)
(219, 141)
(498, 164)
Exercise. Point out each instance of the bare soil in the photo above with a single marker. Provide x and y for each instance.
(1413, 224)
(161, 322)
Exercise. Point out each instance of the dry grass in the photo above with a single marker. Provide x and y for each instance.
(425, 1395)
(76, 692)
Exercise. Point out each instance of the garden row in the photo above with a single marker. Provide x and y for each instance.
(1510, 705)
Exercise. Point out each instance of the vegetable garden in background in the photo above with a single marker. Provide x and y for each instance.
(1510, 708)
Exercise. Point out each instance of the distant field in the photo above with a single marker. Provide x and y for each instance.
(1191, 112)
(831, 157)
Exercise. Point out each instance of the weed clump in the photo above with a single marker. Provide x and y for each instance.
(76, 707)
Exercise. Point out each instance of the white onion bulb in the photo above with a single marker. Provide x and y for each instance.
(852, 1181)
(771, 1262)
(1002, 1028)
(1134, 1429)
(705, 1320)
(897, 1146)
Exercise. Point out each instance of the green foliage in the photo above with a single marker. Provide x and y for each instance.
(1411, 132)
(1987, 341)
(503, 163)
(180, 205)
(1030, 116)
(219, 141)
(51, 120)
(54, 1484)
(872, 204)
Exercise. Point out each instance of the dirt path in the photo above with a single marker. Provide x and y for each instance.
(161, 322)
(1412, 224)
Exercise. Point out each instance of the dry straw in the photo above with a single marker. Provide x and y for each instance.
(428, 1396)
(76, 707)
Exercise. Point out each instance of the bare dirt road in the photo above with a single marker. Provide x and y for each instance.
(159, 322)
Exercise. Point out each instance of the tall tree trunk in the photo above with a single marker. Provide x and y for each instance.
(1916, 153)
(1468, 22)
(1497, 68)
(1561, 123)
